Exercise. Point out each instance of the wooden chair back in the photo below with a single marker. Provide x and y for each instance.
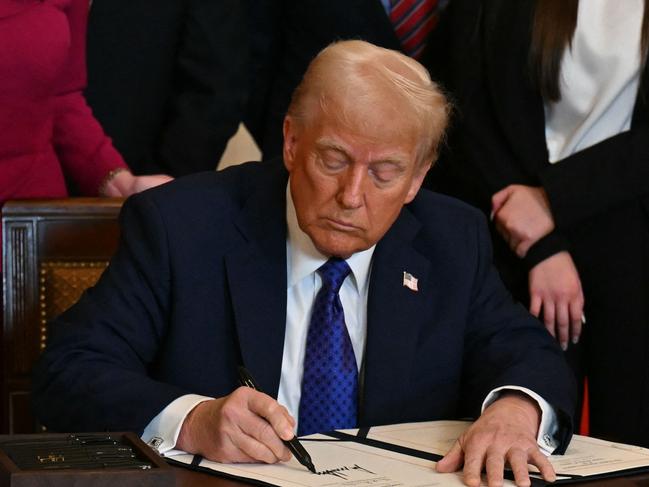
(52, 251)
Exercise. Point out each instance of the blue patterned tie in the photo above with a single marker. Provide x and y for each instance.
(330, 380)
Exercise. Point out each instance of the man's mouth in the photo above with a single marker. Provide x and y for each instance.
(342, 225)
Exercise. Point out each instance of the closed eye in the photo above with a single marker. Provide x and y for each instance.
(334, 160)
(386, 171)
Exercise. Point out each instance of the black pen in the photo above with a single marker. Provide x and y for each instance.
(293, 444)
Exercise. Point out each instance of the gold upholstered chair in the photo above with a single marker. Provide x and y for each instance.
(52, 251)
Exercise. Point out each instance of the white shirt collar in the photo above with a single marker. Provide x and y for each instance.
(304, 259)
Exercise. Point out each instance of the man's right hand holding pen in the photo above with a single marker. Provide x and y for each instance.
(244, 426)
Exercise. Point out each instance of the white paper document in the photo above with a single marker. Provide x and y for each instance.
(341, 463)
(591, 456)
(401, 455)
(585, 456)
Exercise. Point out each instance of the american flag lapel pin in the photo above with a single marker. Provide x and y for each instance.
(410, 281)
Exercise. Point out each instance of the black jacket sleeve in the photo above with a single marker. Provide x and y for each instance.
(598, 178)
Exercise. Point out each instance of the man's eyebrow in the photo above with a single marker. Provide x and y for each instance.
(398, 160)
(395, 160)
(330, 144)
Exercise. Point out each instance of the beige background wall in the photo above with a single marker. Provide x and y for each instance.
(240, 148)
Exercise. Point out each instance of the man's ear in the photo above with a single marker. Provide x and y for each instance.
(290, 142)
(417, 181)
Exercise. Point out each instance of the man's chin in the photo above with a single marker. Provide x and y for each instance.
(343, 250)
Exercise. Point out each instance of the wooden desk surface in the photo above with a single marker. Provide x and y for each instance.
(188, 478)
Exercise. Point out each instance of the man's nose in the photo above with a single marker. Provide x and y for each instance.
(351, 188)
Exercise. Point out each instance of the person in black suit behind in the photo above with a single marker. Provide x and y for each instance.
(168, 80)
(290, 33)
(553, 141)
(222, 269)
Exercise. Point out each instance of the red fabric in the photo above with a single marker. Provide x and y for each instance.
(417, 40)
(47, 131)
(584, 426)
(413, 20)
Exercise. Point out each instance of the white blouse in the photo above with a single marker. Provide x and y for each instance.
(599, 80)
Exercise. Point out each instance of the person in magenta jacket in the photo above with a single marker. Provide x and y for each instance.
(49, 140)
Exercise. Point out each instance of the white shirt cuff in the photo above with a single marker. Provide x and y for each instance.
(549, 423)
(162, 432)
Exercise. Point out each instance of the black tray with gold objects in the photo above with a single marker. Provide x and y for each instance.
(81, 460)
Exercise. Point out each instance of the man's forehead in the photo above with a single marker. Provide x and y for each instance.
(363, 107)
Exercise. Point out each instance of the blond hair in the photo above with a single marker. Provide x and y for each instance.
(350, 75)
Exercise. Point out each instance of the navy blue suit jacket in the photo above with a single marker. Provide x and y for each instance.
(198, 286)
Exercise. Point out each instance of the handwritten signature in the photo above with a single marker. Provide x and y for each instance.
(344, 472)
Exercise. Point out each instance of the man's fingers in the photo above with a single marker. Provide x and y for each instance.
(495, 465)
(269, 423)
(249, 414)
(262, 432)
(518, 463)
(473, 462)
(257, 450)
(541, 462)
(452, 461)
(234, 455)
(222, 440)
(273, 412)
(504, 433)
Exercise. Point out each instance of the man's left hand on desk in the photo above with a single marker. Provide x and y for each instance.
(505, 433)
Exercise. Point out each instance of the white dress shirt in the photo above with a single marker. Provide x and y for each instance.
(303, 259)
(599, 80)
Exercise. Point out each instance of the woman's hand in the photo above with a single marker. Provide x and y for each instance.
(522, 216)
(124, 183)
(555, 289)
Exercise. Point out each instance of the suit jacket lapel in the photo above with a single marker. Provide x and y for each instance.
(256, 274)
(518, 107)
(393, 320)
